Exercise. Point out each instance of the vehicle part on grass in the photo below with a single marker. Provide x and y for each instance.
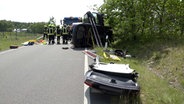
(115, 69)
(14, 46)
(112, 78)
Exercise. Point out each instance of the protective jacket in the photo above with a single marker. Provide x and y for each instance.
(58, 31)
(51, 30)
(65, 30)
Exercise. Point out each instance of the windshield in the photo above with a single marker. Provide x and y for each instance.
(70, 20)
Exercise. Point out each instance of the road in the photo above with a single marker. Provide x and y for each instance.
(44, 74)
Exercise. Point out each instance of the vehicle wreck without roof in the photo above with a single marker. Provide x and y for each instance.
(112, 78)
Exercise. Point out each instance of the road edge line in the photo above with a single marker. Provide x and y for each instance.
(86, 91)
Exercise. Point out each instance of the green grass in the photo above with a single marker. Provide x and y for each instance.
(11, 38)
(161, 69)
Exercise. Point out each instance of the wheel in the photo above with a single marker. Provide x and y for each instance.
(13, 46)
(65, 48)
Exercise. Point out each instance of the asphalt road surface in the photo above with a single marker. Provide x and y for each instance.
(44, 74)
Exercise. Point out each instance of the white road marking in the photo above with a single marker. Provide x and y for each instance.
(3, 52)
(86, 91)
(9, 50)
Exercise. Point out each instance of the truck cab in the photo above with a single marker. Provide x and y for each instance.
(70, 20)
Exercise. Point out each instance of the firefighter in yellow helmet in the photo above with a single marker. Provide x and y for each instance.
(58, 34)
(65, 34)
(51, 32)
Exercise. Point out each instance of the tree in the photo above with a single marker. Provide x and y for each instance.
(37, 27)
(6, 26)
(144, 18)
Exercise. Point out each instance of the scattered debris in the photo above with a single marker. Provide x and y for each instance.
(111, 56)
(119, 53)
(29, 43)
(42, 42)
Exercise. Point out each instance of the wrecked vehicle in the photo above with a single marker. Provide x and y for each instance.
(91, 31)
(112, 78)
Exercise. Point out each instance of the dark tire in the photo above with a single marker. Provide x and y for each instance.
(65, 48)
(13, 46)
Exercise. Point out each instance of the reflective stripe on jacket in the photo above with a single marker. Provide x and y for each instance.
(65, 30)
(51, 31)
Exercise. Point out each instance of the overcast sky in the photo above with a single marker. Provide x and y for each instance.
(42, 10)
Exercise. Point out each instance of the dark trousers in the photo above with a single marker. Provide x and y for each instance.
(51, 39)
(65, 39)
(58, 39)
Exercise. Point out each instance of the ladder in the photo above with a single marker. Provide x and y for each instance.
(91, 19)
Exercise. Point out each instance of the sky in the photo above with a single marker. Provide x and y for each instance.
(42, 10)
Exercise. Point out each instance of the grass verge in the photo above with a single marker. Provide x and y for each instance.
(11, 38)
(160, 65)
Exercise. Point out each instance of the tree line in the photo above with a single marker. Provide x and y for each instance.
(144, 19)
(9, 26)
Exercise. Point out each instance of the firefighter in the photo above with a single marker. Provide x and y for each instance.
(58, 34)
(45, 33)
(65, 33)
(51, 34)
